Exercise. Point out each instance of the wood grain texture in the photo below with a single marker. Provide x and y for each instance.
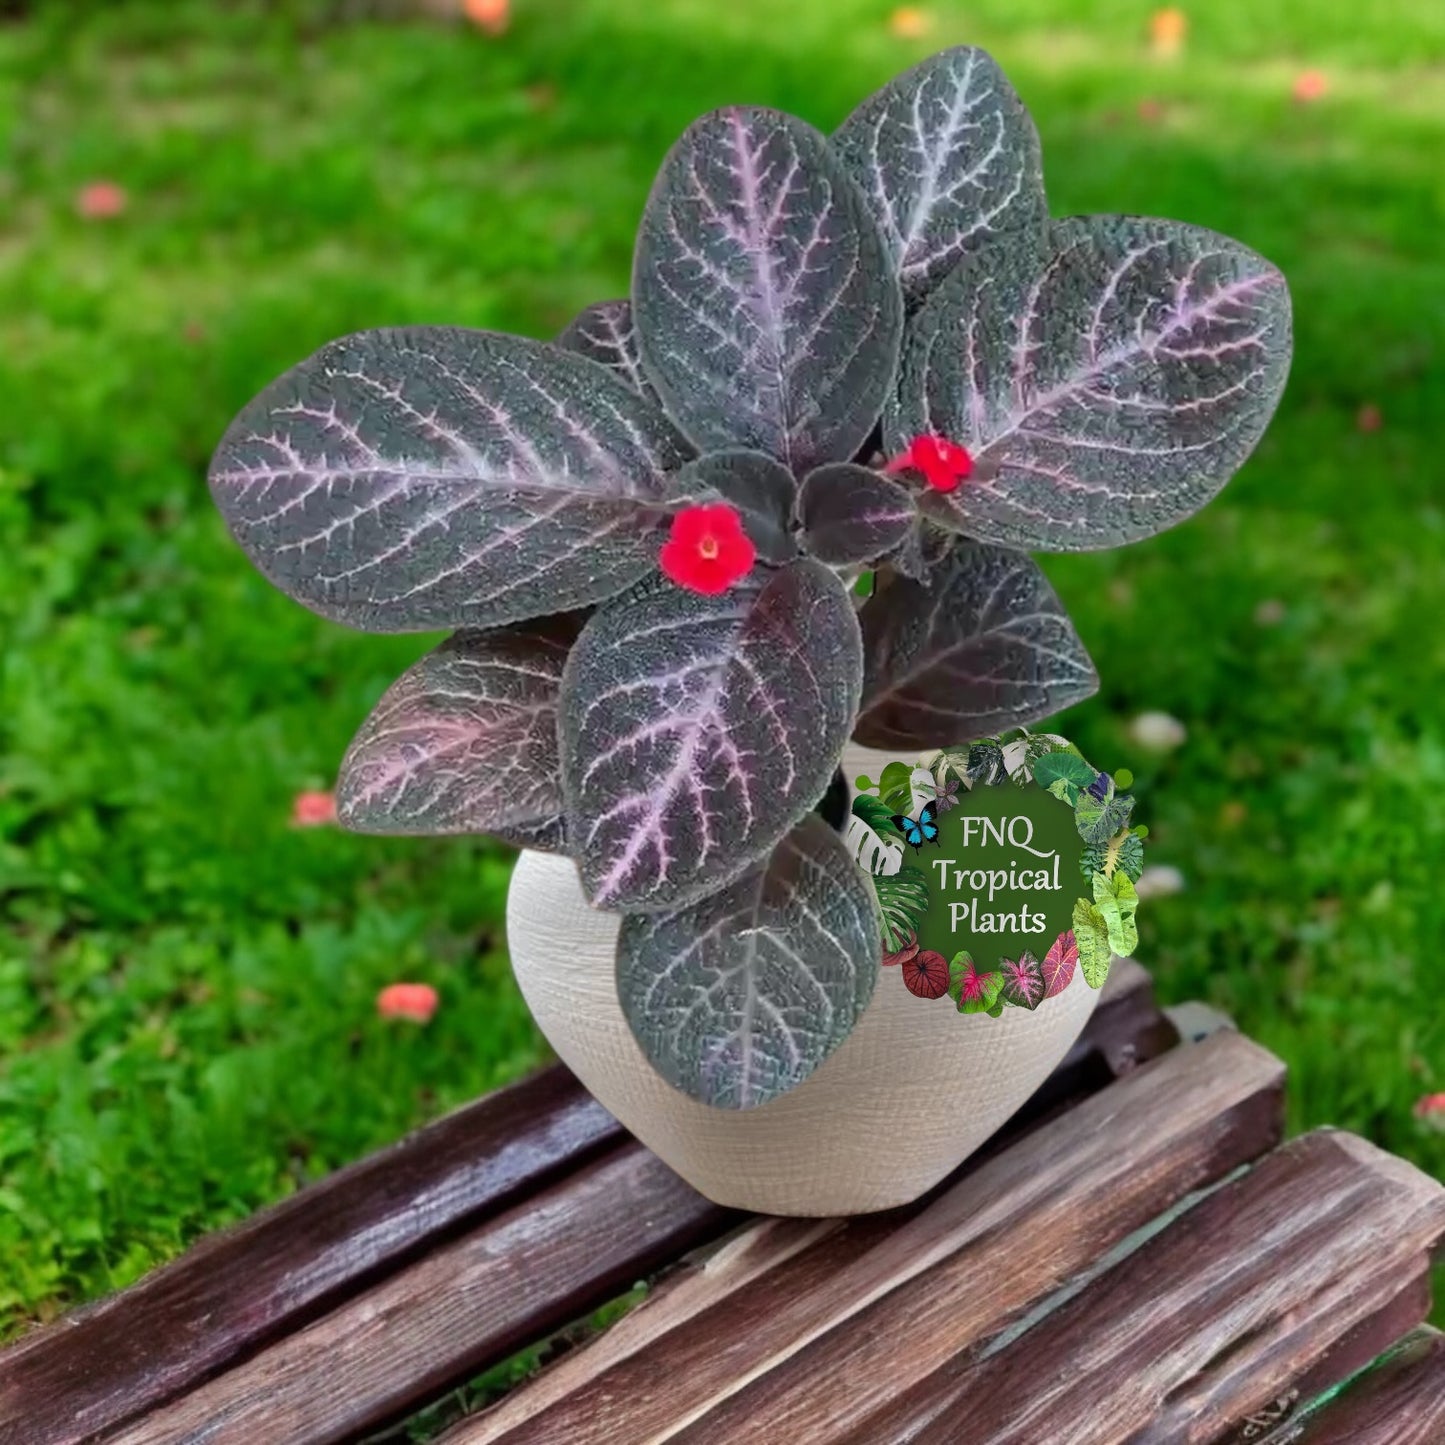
(1193, 1338)
(1400, 1401)
(791, 1351)
(239, 1289)
(463, 1307)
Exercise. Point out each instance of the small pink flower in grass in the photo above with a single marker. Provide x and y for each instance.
(313, 810)
(942, 463)
(1430, 1111)
(414, 1001)
(100, 201)
(1310, 86)
(707, 549)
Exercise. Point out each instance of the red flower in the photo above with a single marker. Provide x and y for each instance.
(707, 549)
(926, 974)
(414, 1001)
(100, 201)
(944, 464)
(1430, 1111)
(313, 810)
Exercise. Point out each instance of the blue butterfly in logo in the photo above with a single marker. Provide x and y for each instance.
(920, 830)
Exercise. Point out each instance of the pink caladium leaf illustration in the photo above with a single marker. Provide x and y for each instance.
(1108, 375)
(724, 994)
(1023, 981)
(974, 992)
(1059, 963)
(926, 974)
(767, 312)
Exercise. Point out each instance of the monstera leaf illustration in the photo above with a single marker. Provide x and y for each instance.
(902, 901)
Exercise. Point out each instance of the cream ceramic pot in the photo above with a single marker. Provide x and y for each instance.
(911, 1093)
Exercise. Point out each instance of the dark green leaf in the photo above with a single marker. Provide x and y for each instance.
(986, 646)
(768, 315)
(949, 158)
(739, 997)
(466, 741)
(697, 730)
(851, 515)
(434, 477)
(1109, 377)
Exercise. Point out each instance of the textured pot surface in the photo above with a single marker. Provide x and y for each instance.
(913, 1091)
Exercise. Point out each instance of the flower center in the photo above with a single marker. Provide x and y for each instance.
(708, 547)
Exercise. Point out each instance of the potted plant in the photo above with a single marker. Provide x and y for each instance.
(865, 364)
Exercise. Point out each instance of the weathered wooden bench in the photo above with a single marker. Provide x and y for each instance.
(1136, 1258)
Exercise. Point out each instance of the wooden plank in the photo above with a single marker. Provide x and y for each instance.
(1195, 1336)
(1126, 1029)
(237, 1290)
(463, 1307)
(783, 1342)
(1400, 1401)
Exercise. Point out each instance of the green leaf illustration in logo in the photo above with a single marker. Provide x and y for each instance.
(1123, 853)
(1064, 774)
(902, 902)
(1116, 902)
(1091, 933)
(985, 763)
(972, 991)
(895, 788)
(1098, 819)
(877, 814)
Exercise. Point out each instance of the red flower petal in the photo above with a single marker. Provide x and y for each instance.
(414, 1001)
(926, 974)
(944, 464)
(707, 549)
(313, 810)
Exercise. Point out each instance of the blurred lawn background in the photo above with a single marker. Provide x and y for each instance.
(188, 983)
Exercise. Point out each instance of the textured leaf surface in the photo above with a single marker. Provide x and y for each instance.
(850, 514)
(1109, 376)
(1123, 852)
(435, 477)
(604, 333)
(697, 730)
(768, 315)
(738, 998)
(466, 742)
(1099, 819)
(902, 902)
(985, 646)
(1059, 964)
(1023, 981)
(1091, 939)
(972, 991)
(1117, 904)
(949, 159)
(762, 490)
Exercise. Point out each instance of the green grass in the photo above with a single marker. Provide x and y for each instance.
(187, 983)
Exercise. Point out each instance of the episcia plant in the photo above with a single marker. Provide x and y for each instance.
(872, 353)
